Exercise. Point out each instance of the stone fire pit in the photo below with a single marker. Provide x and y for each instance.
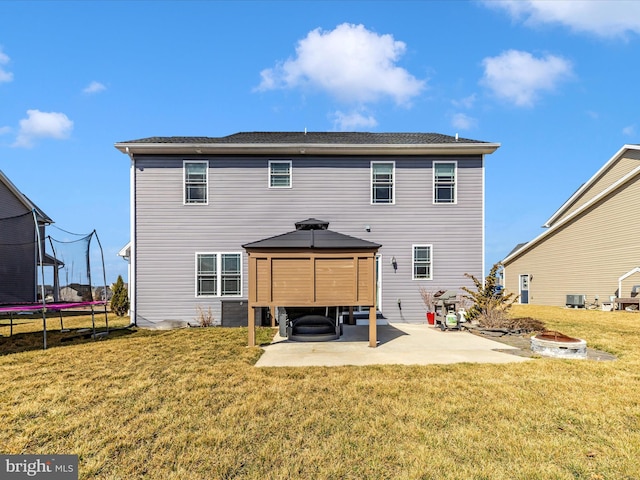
(555, 344)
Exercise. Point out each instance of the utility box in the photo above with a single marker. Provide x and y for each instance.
(575, 301)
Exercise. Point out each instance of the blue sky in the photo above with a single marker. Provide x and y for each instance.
(555, 83)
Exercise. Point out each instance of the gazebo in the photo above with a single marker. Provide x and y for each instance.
(312, 266)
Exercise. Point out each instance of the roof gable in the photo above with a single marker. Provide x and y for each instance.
(22, 198)
(598, 183)
(578, 212)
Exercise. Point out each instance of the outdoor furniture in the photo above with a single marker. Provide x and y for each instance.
(623, 303)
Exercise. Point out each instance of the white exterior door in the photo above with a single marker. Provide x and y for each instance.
(524, 289)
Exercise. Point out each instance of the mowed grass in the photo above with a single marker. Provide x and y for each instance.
(25, 332)
(189, 404)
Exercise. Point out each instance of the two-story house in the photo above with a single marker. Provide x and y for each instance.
(195, 201)
(588, 252)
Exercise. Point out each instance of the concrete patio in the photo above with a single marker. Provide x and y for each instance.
(398, 344)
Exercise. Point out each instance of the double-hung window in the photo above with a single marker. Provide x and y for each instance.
(218, 274)
(279, 173)
(382, 182)
(444, 182)
(422, 260)
(196, 178)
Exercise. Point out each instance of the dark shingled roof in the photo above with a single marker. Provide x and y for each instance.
(313, 233)
(516, 248)
(336, 138)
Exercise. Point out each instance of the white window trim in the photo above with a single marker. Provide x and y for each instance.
(184, 182)
(393, 182)
(290, 174)
(413, 260)
(455, 182)
(218, 293)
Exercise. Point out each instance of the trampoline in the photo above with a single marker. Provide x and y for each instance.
(41, 274)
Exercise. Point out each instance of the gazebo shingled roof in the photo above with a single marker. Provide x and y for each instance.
(312, 233)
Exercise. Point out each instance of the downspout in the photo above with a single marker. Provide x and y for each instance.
(133, 317)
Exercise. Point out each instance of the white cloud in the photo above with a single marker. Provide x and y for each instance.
(346, 122)
(4, 75)
(5, 130)
(463, 121)
(629, 131)
(94, 87)
(350, 63)
(519, 77)
(466, 102)
(610, 18)
(42, 125)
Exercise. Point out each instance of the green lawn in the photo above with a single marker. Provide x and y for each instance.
(189, 404)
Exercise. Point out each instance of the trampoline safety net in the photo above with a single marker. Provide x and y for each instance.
(39, 269)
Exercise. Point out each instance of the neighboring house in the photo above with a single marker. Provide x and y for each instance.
(591, 243)
(19, 238)
(195, 201)
(75, 292)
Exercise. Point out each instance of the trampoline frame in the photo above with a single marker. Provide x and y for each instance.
(57, 306)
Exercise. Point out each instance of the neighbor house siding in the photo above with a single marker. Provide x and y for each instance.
(10, 206)
(17, 263)
(242, 209)
(587, 255)
(614, 172)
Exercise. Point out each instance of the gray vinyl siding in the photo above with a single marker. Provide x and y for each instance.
(10, 206)
(242, 209)
(17, 251)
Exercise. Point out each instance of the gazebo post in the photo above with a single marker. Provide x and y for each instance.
(252, 326)
(373, 331)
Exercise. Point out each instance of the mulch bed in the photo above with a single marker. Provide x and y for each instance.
(522, 342)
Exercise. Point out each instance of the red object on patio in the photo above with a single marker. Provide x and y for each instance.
(431, 318)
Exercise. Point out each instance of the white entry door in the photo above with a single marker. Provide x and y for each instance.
(524, 289)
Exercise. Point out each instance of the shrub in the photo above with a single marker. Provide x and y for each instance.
(120, 298)
(525, 324)
(429, 298)
(205, 317)
(490, 304)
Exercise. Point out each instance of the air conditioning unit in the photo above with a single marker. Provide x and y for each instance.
(576, 301)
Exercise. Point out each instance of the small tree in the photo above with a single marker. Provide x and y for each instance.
(428, 299)
(120, 298)
(490, 304)
(205, 317)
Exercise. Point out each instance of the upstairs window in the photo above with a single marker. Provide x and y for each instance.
(382, 174)
(444, 182)
(422, 262)
(195, 182)
(218, 274)
(279, 174)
